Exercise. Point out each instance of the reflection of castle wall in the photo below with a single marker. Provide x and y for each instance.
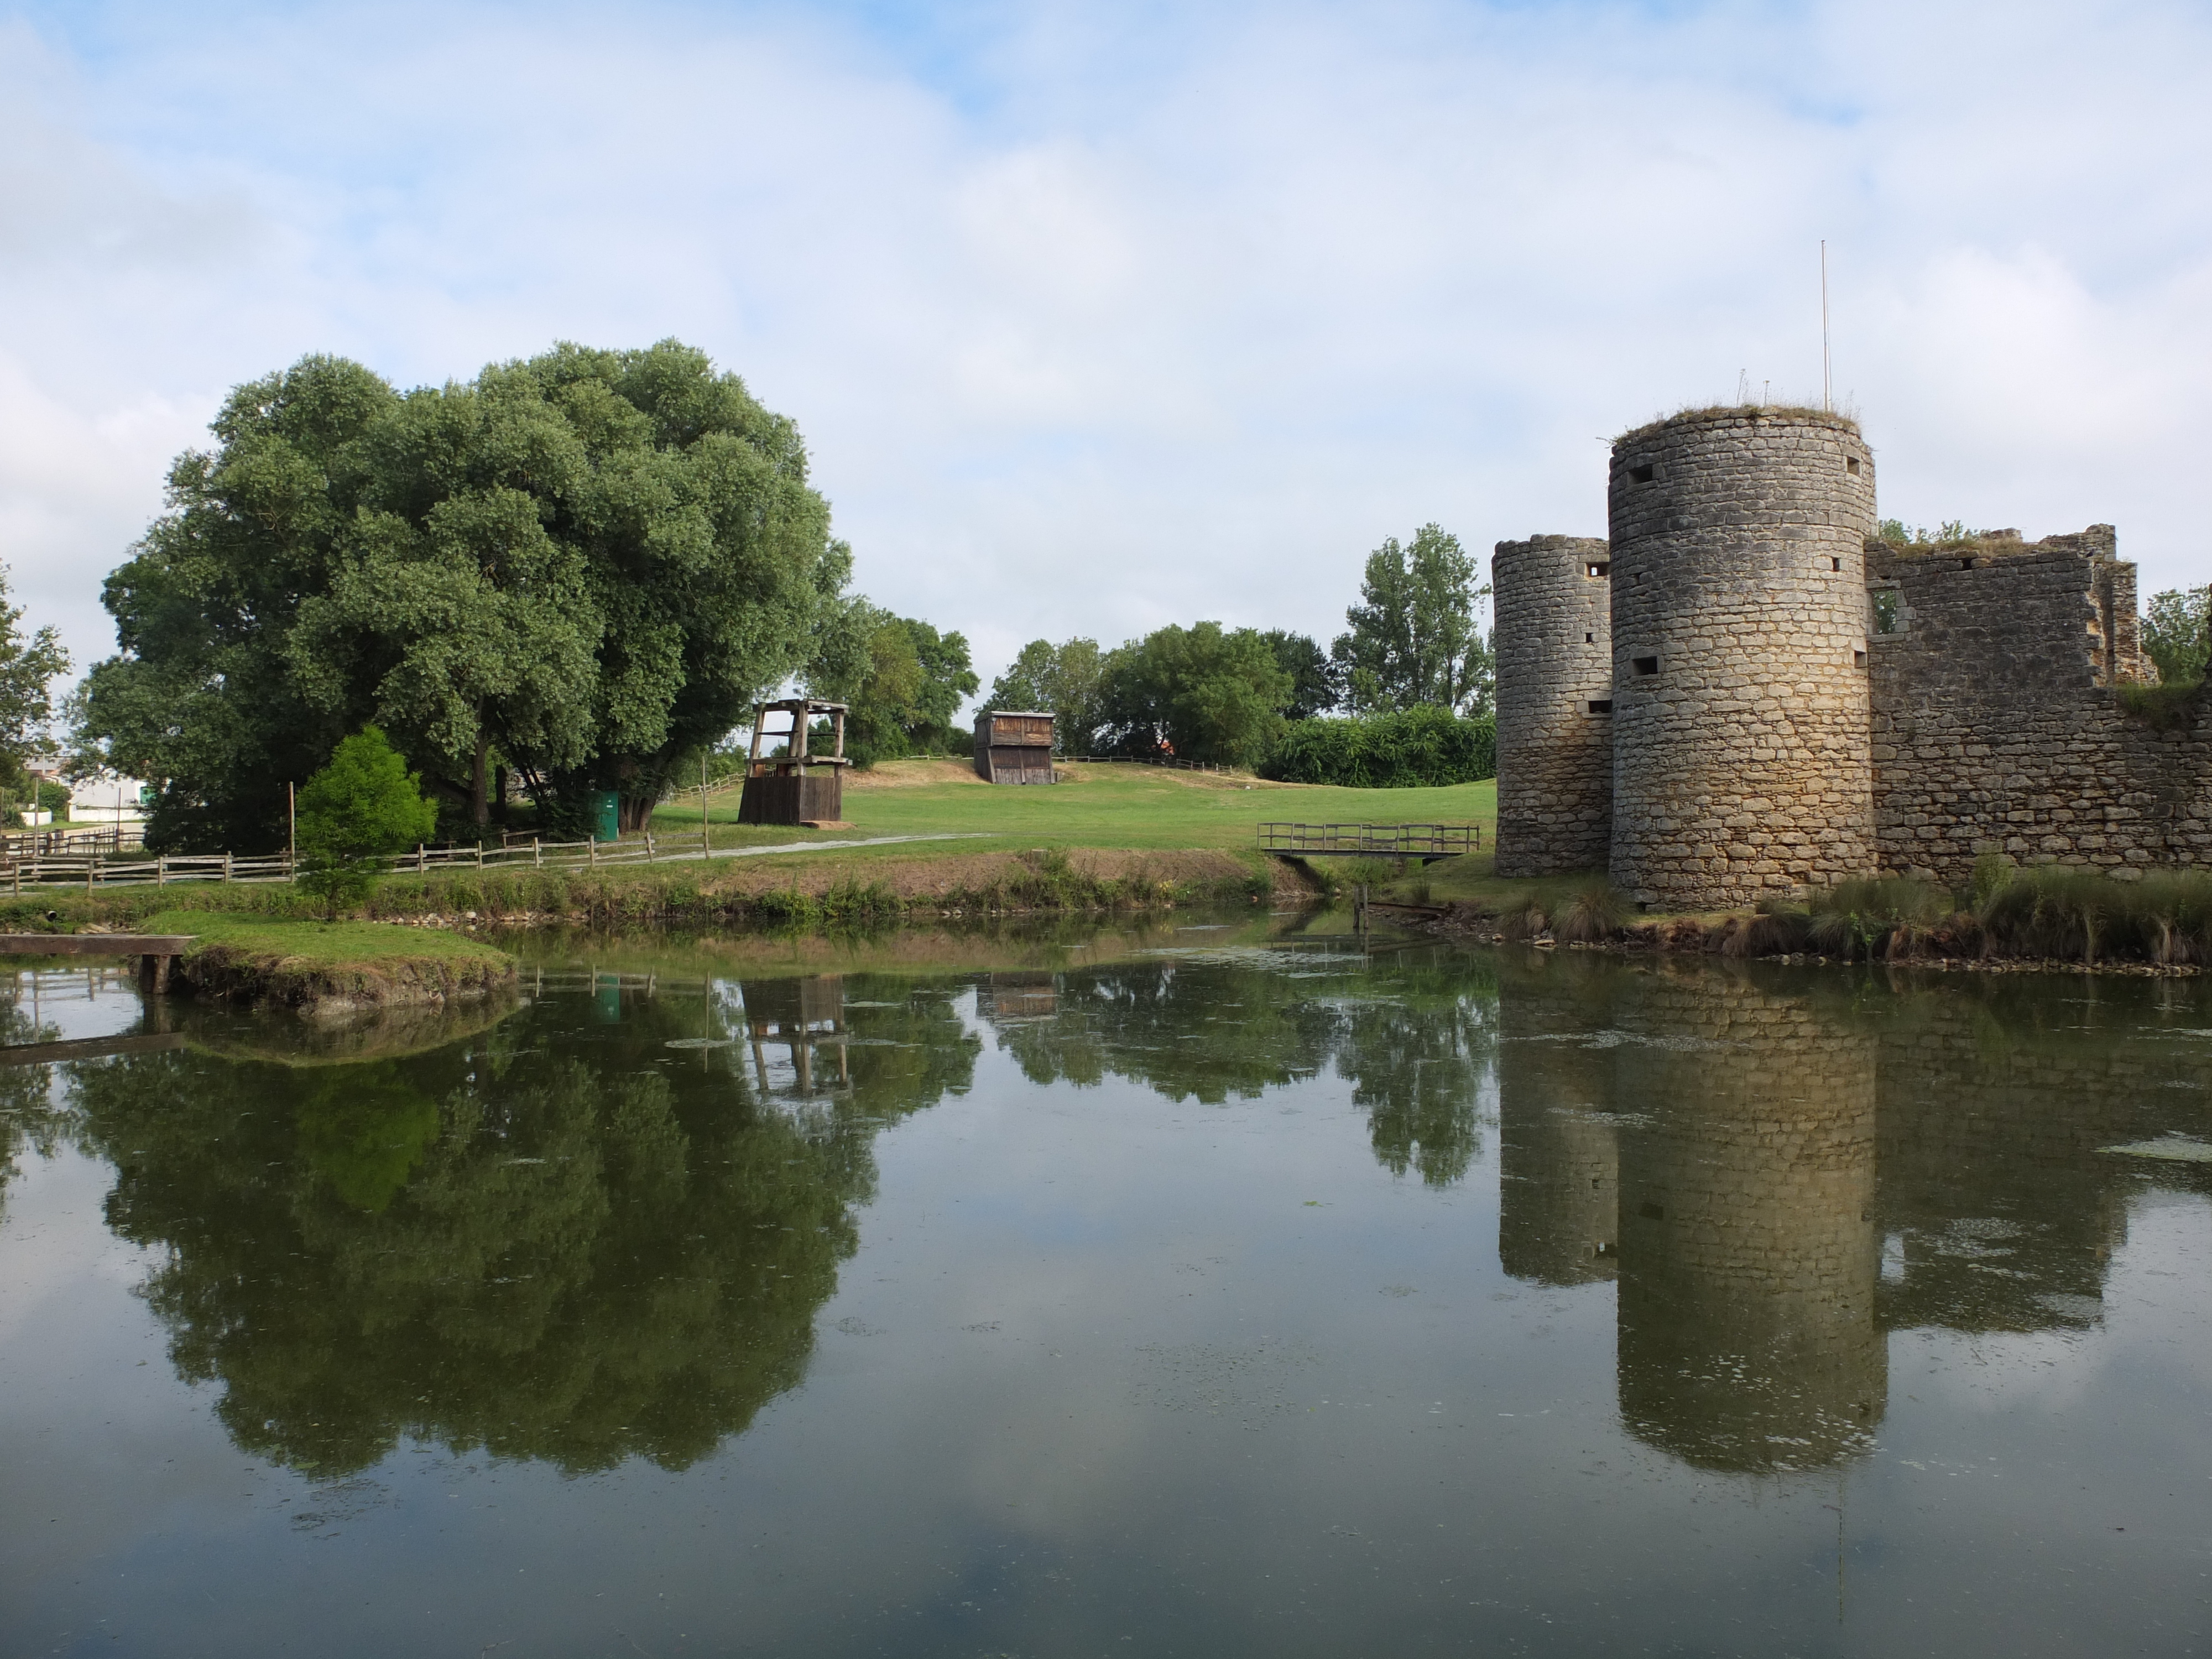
(1749, 1253)
(1990, 1167)
(1559, 1155)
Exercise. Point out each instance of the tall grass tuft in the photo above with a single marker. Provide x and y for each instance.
(1523, 918)
(2067, 912)
(1890, 916)
(1596, 910)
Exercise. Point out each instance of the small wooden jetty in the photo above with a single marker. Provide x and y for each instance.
(1426, 842)
(795, 786)
(154, 951)
(1014, 746)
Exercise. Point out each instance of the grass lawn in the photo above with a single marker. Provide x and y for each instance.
(1143, 807)
(367, 945)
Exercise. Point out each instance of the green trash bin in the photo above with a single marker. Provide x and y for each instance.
(607, 815)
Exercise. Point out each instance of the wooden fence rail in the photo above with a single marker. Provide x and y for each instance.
(91, 869)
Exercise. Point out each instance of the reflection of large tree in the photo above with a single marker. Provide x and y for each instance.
(554, 1240)
(27, 1118)
(1410, 1031)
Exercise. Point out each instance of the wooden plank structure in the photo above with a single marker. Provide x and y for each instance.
(154, 951)
(795, 786)
(1014, 746)
(1426, 842)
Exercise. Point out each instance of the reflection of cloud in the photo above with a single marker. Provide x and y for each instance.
(1160, 306)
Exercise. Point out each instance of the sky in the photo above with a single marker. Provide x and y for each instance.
(1100, 317)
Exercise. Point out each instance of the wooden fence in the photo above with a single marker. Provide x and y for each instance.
(92, 869)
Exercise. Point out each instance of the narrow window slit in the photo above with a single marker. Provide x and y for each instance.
(1600, 705)
(1642, 474)
(1646, 666)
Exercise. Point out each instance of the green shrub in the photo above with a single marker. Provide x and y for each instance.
(358, 809)
(1405, 748)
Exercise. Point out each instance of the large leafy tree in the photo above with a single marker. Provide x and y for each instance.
(1201, 693)
(30, 664)
(588, 565)
(2177, 634)
(1414, 638)
(903, 680)
(1313, 688)
(1063, 678)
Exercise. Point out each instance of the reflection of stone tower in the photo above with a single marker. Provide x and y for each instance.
(1559, 1151)
(1748, 1251)
(1554, 704)
(1741, 714)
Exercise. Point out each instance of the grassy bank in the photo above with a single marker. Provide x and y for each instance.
(329, 966)
(2047, 914)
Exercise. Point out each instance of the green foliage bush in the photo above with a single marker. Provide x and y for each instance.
(1407, 749)
(361, 808)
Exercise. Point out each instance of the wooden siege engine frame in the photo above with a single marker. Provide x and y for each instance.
(787, 788)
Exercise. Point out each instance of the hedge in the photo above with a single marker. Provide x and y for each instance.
(1409, 749)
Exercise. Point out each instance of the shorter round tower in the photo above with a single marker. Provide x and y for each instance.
(1741, 710)
(1554, 609)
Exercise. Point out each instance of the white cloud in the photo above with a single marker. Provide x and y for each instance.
(1098, 319)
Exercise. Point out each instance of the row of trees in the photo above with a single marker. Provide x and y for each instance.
(1206, 693)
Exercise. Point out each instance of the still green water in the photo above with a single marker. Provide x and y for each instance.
(1212, 1293)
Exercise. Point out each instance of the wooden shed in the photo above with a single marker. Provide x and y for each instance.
(1014, 746)
(795, 786)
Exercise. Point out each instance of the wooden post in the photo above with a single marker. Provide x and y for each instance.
(800, 734)
(594, 845)
(537, 855)
(649, 847)
(92, 863)
(706, 824)
(291, 826)
(160, 871)
(422, 859)
(226, 869)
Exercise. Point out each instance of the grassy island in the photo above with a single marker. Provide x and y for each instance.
(331, 968)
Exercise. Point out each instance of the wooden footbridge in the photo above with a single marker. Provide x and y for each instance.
(1426, 842)
(154, 951)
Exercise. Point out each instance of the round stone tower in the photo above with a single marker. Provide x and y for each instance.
(1740, 705)
(1554, 704)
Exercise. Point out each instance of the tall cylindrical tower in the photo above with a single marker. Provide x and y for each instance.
(1741, 702)
(1554, 704)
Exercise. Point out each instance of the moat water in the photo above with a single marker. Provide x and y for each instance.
(1224, 1290)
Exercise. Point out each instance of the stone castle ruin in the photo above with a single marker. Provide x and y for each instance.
(1742, 693)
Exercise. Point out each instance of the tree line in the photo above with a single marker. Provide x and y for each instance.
(580, 571)
(1243, 696)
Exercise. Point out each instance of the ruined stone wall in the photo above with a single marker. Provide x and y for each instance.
(1740, 705)
(1749, 1253)
(1996, 724)
(1552, 605)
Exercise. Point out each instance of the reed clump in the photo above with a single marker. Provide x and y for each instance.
(2054, 910)
(1595, 911)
